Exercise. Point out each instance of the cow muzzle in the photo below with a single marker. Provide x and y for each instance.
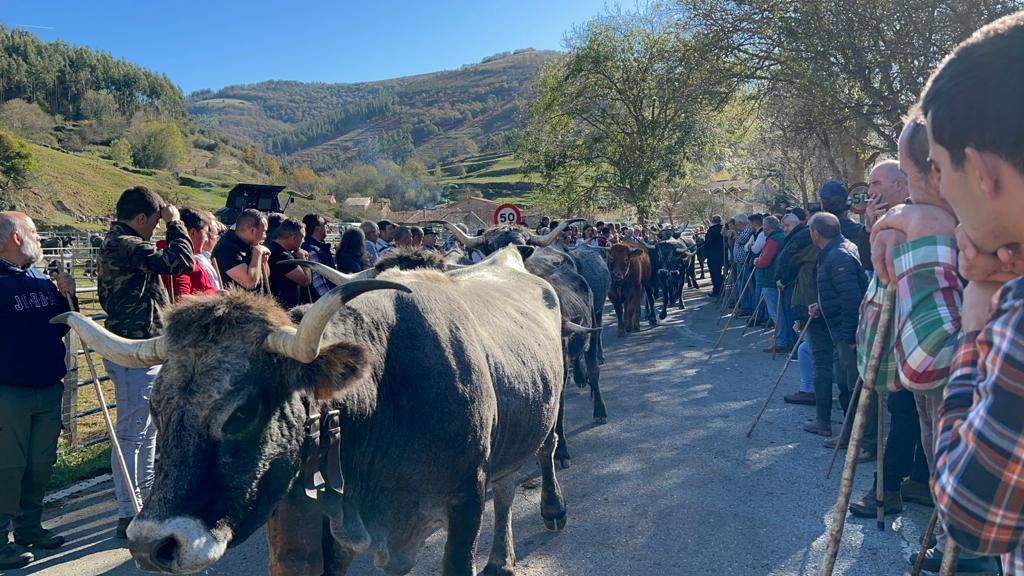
(179, 545)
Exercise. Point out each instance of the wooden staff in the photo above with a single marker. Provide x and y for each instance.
(856, 435)
(752, 321)
(844, 431)
(265, 277)
(916, 570)
(727, 289)
(731, 316)
(789, 358)
(122, 465)
(879, 469)
(778, 311)
(949, 558)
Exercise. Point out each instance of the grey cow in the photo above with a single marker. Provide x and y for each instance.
(434, 402)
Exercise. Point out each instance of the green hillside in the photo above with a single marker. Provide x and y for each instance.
(434, 117)
(498, 176)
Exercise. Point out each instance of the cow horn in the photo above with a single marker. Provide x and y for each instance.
(569, 328)
(129, 353)
(467, 240)
(550, 237)
(303, 344)
(332, 275)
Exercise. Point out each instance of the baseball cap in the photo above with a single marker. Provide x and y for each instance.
(833, 190)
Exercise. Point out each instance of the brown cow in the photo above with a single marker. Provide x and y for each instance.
(630, 268)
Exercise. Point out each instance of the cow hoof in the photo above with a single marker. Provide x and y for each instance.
(600, 421)
(555, 524)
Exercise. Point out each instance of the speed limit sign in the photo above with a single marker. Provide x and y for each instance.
(859, 197)
(508, 214)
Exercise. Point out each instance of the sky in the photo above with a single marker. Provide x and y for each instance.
(217, 43)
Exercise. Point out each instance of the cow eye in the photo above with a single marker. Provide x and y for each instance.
(242, 418)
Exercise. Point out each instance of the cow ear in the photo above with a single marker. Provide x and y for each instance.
(525, 251)
(337, 367)
(634, 252)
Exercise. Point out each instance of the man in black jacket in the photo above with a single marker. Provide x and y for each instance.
(32, 353)
(834, 200)
(714, 248)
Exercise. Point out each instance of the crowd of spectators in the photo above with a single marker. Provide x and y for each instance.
(941, 246)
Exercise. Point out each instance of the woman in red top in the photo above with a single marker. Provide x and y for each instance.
(200, 231)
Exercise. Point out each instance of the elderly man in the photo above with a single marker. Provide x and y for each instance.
(372, 234)
(841, 284)
(32, 354)
(742, 232)
(764, 269)
(714, 249)
(887, 187)
(132, 295)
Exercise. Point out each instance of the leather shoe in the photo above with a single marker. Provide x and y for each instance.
(865, 507)
(819, 428)
(933, 562)
(805, 398)
(14, 556)
(916, 493)
(122, 527)
(43, 539)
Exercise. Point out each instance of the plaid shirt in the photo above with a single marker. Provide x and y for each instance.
(320, 284)
(868, 330)
(739, 251)
(928, 311)
(979, 466)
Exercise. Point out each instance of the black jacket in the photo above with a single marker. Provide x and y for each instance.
(841, 286)
(858, 234)
(788, 268)
(714, 244)
(348, 263)
(31, 349)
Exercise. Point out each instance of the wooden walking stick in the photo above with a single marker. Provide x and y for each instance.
(122, 465)
(778, 311)
(856, 435)
(879, 469)
(752, 321)
(847, 421)
(949, 557)
(789, 358)
(731, 316)
(916, 570)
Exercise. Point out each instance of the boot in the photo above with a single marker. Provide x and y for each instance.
(866, 508)
(14, 556)
(805, 398)
(43, 539)
(916, 493)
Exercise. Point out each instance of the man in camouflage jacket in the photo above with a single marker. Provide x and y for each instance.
(132, 294)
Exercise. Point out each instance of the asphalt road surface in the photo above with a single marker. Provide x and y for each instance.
(670, 485)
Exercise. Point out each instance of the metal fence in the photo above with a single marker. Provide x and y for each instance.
(80, 408)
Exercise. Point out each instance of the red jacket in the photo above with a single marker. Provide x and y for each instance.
(195, 282)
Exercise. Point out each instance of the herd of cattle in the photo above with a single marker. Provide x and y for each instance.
(362, 425)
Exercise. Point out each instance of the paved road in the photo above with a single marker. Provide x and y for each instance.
(670, 485)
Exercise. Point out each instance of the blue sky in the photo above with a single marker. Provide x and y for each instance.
(215, 43)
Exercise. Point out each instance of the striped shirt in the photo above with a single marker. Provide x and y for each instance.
(979, 465)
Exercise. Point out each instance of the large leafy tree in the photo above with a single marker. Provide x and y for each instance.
(16, 167)
(627, 108)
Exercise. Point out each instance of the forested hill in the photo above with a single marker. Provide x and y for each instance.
(432, 117)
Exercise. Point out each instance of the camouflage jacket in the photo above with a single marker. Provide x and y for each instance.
(128, 270)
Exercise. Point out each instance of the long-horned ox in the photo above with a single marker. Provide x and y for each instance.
(408, 400)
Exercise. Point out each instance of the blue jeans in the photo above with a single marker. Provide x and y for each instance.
(136, 432)
(748, 300)
(786, 337)
(806, 361)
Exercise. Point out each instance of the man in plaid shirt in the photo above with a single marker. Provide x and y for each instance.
(915, 257)
(975, 119)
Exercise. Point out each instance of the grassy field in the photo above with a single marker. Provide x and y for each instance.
(499, 176)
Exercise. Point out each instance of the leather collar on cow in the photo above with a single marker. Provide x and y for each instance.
(321, 454)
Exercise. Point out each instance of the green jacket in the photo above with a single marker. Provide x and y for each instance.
(129, 269)
(805, 290)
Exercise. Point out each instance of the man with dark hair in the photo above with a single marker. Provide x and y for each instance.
(372, 235)
(841, 284)
(240, 253)
(417, 236)
(975, 121)
(714, 248)
(201, 279)
(799, 213)
(318, 251)
(286, 280)
(131, 293)
(387, 235)
(545, 222)
(32, 353)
